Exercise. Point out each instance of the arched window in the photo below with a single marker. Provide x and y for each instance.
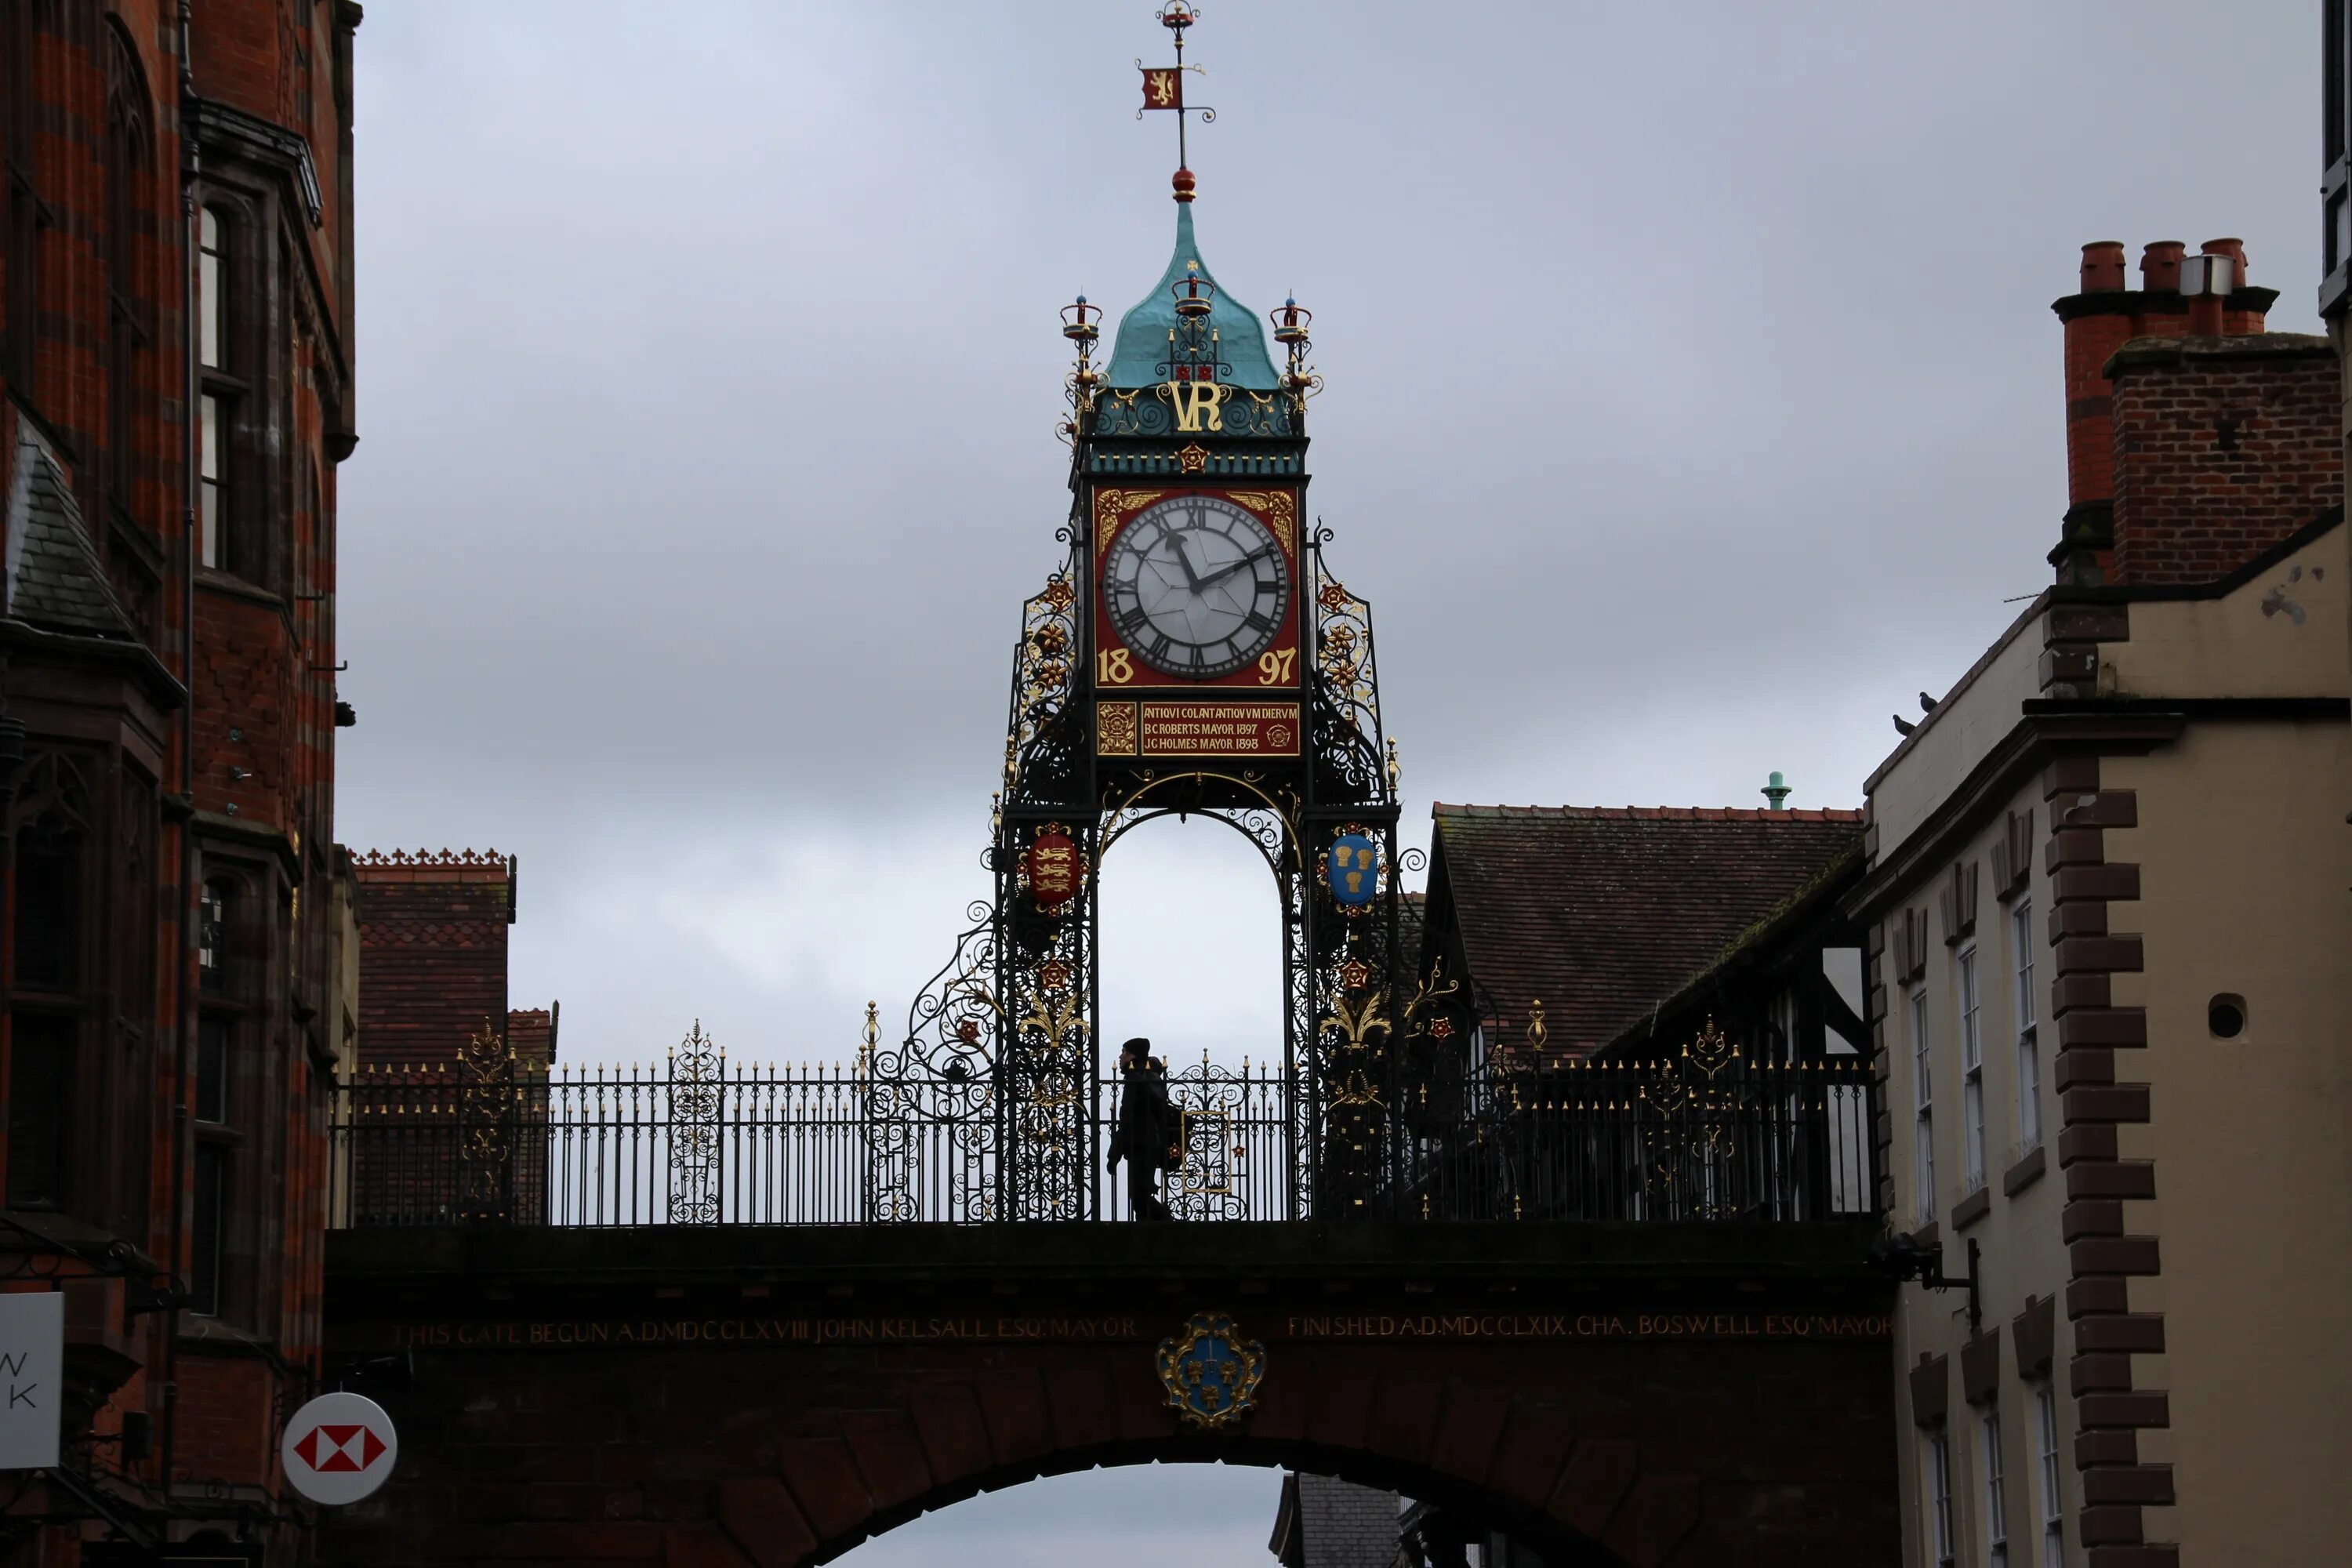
(129, 208)
(28, 214)
(218, 403)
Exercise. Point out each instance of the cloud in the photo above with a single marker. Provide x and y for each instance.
(1694, 400)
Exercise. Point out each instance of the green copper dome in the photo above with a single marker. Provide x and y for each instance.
(1139, 355)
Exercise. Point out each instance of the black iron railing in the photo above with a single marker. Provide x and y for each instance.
(1671, 1139)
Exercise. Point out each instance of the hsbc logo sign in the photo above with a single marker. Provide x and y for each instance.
(339, 1448)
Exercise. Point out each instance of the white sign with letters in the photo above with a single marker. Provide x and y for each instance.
(32, 1378)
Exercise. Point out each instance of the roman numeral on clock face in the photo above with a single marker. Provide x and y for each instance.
(1196, 586)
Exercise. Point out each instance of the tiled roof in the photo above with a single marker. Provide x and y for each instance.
(53, 577)
(1603, 912)
(1412, 920)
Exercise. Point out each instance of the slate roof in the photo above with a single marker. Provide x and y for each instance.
(53, 577)
(1604, 913)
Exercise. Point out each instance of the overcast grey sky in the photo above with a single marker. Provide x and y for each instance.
(1694, 401)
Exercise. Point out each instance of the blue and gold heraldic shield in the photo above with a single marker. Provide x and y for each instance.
(1353, 875)
(1210, 1373)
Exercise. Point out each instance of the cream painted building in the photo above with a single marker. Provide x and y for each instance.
(2108, 903)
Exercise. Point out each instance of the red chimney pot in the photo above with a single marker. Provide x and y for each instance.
(2235, 249)
(2103, 267)
(2160, 267)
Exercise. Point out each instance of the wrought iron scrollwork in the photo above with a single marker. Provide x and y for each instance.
(929, 1109)
(1353, 766)
(487, 1097)
(1693, 1109)
(1044, 737)
(698, 1073)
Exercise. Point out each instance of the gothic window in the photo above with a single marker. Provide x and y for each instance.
(218, 404)
(21, 25)
(129, 178)
(50, 958)
(226, 985)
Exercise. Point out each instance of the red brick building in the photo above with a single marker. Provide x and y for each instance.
(175, 393)
(436, 1033)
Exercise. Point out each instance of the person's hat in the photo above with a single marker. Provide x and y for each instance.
(1138, 1046)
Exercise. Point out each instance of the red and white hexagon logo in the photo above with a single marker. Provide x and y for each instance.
(339, 1448)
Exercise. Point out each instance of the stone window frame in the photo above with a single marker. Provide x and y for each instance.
(231, 1014)
(1992, 1486)
(1942, 1527)
(2050, 1507)
(2025, 1017)
(133, 230)
(1968, 998)
(1923, 1102)
(64, 786)
(29, 215)
(246, 390)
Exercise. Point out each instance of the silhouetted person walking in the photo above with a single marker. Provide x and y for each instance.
(1146, 1131)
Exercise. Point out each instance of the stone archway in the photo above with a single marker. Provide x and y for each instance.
(734, 1398)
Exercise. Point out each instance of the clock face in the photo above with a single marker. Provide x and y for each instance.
(1196, 586)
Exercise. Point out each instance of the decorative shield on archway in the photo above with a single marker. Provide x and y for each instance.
(1351, 871)
(1210, 1373)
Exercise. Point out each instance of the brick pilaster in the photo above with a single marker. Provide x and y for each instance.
(2097, 1095)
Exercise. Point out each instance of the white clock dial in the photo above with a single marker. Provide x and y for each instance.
(1196, 586)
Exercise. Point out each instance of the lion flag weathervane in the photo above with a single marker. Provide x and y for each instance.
(1163, 86)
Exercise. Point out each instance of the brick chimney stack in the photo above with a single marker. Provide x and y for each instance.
(2099, 320)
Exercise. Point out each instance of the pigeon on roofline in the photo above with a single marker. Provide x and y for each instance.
(1927, 703)
(1902, 726)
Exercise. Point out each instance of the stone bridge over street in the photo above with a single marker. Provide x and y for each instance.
(720, 1396)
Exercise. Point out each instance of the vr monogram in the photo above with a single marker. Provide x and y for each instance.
(1199, 405)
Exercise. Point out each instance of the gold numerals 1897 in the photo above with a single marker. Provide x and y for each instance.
(1113, 667)
(1276, 665)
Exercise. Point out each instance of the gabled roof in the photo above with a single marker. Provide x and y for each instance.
(52, 575)
(1601, 914)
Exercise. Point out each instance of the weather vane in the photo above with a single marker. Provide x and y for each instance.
(1163, 86)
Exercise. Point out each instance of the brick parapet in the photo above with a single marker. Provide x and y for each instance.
(433, 953)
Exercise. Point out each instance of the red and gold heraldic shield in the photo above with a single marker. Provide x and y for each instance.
(1118, 667)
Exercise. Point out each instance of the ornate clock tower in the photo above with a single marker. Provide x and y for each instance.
(1194, 655)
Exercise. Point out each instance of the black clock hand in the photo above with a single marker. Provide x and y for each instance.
(1192, 578)
(1221, 573)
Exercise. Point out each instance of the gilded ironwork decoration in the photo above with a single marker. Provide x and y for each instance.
(486, 1125)
(1212, 1373)
(1696, 1105)
(1115, 730)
